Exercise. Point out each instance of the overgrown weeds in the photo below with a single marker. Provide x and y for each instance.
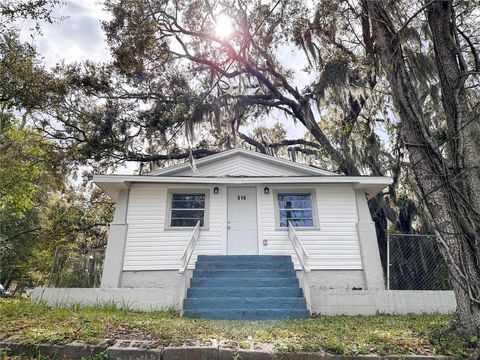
(380, 334)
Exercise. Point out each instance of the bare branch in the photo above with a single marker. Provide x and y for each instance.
(199, 153)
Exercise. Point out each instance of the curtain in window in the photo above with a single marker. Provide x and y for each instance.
(296, 208)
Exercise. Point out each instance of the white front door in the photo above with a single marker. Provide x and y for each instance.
(242, 221)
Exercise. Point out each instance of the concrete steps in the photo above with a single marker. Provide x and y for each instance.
(245, 288)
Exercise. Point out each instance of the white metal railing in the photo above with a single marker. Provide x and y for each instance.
(188, 252)
(302, 254)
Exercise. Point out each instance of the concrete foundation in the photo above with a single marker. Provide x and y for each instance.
(164, 279)
(171, 279)
(323, 301)
(334, 279)
(169, 282)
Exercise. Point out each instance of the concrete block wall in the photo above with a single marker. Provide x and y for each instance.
(324, 301)
(371, 302)
(138, 299)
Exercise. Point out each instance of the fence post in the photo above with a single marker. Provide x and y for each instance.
(388, 260)
(53, 267)
(94, 267)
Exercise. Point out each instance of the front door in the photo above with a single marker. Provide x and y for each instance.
(242, 221)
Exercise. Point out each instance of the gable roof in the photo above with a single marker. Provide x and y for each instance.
(241, 163)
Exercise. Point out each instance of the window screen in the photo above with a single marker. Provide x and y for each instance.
(296, 208)
(187, 210)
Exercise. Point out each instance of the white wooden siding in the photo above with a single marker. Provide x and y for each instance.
(333, 246)
(239, 164)
(149, 246)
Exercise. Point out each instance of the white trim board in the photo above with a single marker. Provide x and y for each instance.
(335, 179)
(112, 184)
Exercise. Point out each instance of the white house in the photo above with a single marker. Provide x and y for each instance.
(241, 202)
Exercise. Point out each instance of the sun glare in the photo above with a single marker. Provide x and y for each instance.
(223, 26)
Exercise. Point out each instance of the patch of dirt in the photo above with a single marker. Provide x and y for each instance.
(144, 344)
(126, 332)
(200, 342)
(234, 344)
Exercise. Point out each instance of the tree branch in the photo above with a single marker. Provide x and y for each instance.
(199, 153)
(253, 142)
(294, 142)
(262, 146)
(472, 49)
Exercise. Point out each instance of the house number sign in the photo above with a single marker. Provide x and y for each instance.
(242, 197)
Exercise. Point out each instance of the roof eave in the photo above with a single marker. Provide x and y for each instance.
(112, 184)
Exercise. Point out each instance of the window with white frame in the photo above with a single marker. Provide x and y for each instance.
(187, 209)
(296, 208)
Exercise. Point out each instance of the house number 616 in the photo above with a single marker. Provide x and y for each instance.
(242, 197)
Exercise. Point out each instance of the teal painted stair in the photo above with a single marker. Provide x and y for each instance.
(245, 287)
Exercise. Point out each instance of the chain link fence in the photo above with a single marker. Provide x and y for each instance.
(415, 263)
(77, 268)
(18, 280)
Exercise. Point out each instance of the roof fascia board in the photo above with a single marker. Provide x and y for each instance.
(336, 179)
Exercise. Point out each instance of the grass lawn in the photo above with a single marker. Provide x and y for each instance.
(381, 334)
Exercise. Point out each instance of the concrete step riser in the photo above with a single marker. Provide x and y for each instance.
(248, 292)
(245, 282)
(248, 314)
(224, 265)
(244, 303)
(200, 273)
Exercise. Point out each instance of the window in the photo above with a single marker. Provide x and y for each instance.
(296, 208)
(187, 210)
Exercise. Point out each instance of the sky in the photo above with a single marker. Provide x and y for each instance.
(79, 37)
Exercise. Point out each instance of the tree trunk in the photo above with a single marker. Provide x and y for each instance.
(437, 190)
(463, 131)
(463, 124)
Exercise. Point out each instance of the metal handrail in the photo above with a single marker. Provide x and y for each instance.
(302, 254)
(188, 252)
